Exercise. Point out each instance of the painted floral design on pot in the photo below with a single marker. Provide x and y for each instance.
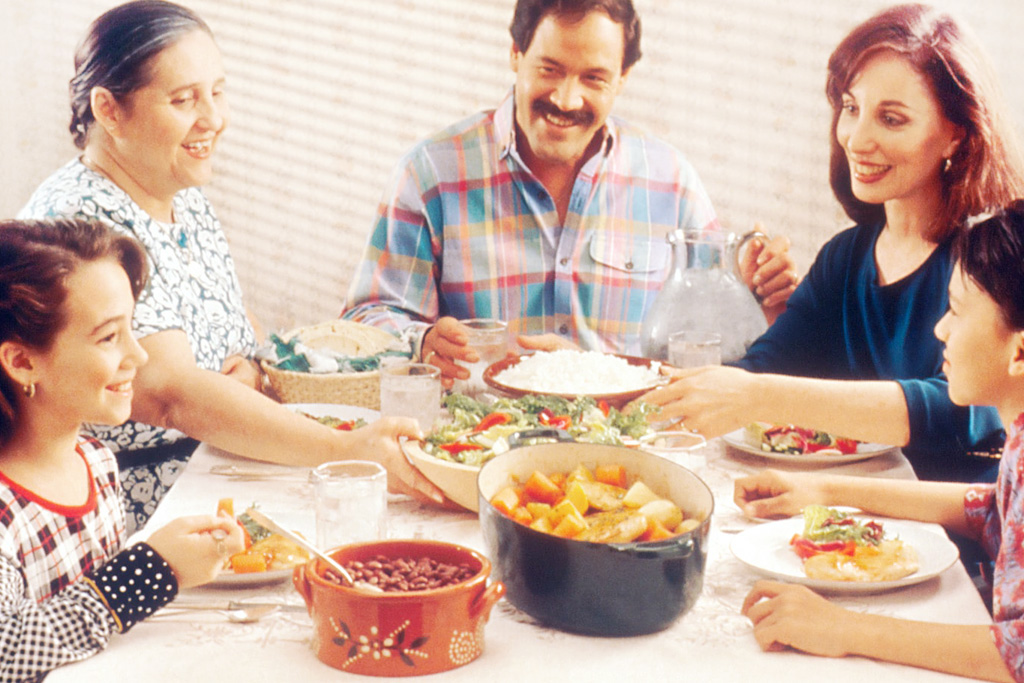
(399, 633)
(374, 646)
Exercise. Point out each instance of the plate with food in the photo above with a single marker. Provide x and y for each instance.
(474, 432)
(615, 379)
(834, 551)
(341, 417)
(267, 558)
(787, 443)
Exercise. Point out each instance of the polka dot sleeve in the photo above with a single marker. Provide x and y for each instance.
(134, 584)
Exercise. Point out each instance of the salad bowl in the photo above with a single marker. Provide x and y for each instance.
(474, 433)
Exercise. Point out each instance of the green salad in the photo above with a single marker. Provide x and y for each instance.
(477, 431)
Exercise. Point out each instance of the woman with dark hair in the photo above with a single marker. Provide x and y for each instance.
(68, 356)
(983, 334)
(920, 145)
(148, 108)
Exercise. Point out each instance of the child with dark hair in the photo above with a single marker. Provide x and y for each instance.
(68, 356)
(983, 333)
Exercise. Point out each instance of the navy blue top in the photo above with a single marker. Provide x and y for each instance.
(841, 324)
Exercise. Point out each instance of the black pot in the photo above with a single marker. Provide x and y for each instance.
(620, 589)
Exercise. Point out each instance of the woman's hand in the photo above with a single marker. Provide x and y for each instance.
(197, 547)
(770, 272)
(711, 400)
(771, 493)
(243, 370)
(785, 615)
(379, 442)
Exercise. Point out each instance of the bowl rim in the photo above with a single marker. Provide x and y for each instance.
(481, 576)
(667, 543)
(616, 398)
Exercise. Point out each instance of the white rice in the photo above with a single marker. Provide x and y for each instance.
(578, 373)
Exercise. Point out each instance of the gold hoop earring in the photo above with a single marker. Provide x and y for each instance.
(29, 389)
(945, 166)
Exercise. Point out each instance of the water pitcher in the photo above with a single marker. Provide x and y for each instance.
(703, 292)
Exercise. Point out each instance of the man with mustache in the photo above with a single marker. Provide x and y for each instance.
(544, 212)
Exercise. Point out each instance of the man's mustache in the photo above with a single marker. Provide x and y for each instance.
(578, 117)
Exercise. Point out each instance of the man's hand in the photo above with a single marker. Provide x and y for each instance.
(446, 342)
(545, 342)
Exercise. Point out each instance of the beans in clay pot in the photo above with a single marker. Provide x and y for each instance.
(404, 574)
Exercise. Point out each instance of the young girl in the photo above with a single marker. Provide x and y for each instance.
(67, 356)
(983, 333)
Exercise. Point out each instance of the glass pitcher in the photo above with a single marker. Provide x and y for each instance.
(703, 292)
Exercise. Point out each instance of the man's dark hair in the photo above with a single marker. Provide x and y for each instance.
(529, 13)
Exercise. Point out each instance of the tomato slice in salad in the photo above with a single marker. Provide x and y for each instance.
(492, 420)
(549, 419)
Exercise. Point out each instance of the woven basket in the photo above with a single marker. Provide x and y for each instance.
(352, 388)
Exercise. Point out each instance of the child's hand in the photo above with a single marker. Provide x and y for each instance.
(196, 547)
(776, 494)
(785, 615)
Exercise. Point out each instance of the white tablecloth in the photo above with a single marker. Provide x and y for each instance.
(713, 642)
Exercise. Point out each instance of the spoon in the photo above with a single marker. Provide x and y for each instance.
(261, 519)
(236, 613)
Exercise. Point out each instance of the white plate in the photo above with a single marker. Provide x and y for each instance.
(342, 412)
(738, 441)
(766, 550)
(229, 579)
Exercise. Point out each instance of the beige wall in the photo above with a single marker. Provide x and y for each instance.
(327, 94)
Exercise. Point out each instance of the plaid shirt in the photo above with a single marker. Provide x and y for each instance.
(466, 230)
(48, 615)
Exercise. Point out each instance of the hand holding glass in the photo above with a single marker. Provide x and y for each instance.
(489, 338)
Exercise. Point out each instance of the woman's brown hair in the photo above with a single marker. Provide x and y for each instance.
(985, 172)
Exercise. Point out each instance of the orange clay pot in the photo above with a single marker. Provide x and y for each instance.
(398, 634)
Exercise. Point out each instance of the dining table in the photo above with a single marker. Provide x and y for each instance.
(713, 641)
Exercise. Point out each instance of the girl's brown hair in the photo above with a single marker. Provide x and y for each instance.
(36, 259)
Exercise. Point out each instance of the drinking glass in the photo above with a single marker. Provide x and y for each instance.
(489, 338)
(690, 349)
(351, 502)
(411, 390)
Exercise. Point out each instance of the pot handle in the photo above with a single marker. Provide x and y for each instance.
(482, 604)
(515, 439)
(301, 583)
(667, 547)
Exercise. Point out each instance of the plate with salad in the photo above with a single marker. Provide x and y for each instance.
(474, 432)
(788, 443)
(773, 550)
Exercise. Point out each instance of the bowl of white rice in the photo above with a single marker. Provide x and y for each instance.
(613, 378)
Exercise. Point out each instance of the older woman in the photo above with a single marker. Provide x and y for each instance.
(920, 144)
(148, 108)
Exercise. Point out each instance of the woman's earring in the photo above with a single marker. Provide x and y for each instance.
(29, 389)
(945, 166)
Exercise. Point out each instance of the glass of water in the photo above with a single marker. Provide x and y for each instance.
(351, 502)
(411, 390)
(489, 338)
(690, 349)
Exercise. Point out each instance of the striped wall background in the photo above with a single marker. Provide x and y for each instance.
(327, 94)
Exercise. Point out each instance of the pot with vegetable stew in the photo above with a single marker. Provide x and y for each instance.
(566, 577)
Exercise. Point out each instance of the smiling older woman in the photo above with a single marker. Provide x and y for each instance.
(148, 108)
